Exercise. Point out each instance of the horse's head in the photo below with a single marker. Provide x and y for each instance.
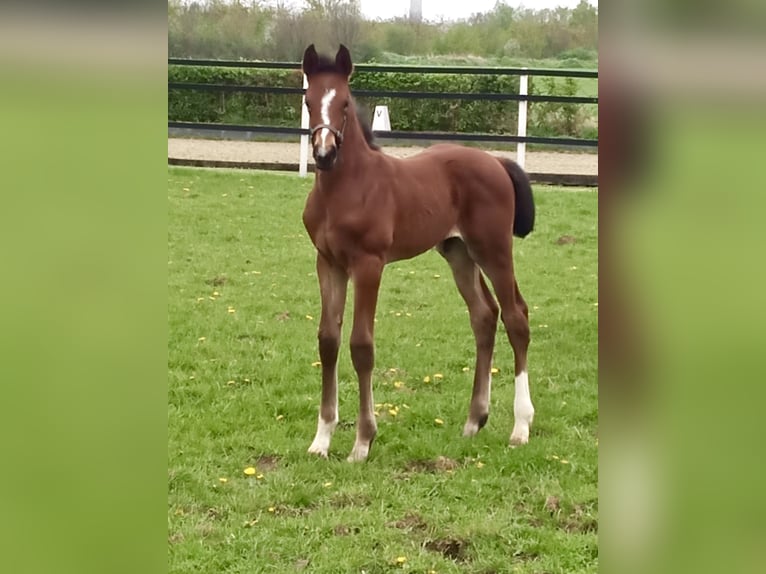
(327, 100)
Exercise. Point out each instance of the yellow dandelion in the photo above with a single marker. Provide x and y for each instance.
(554, 457)
(231, 310)
(439, 421)
(398, 384)
(316, 364)
(309, 317)
(215, 293)
(259, 476)
(479, 464)
(426, 379)
(494, 370)
(230, 383)
(392, 370)
(249, 471)
(393, 412)
(408, 314)
(438, 376)
(436, 275)
(201, 339)
(280, 417)
(466, 369)
(200, 299)
(564, 461)
(247, 380)
(398, 313)
(223, 480)
(327, 484)
(271, 509)
(405, 406)
(401, 559)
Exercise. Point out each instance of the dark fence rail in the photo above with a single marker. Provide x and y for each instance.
(402, 135)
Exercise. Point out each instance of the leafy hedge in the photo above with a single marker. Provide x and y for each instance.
(494, 117)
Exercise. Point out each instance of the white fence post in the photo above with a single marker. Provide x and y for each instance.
(521, 147)
(304, 156)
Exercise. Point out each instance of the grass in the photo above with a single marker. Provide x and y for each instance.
(243, 308)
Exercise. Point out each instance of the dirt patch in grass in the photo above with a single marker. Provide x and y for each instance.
(552, 504)
(441, 464)
(580, 522)
(347, 499)
(176, 538)
(565, 240)
(451, 548)
(411, 521)
(267, 462)
(217, 281)
(343, 530)
(291, 511)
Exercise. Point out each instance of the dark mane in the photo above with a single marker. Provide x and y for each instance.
(364, 121)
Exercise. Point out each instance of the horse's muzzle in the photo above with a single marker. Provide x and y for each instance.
(325, 157)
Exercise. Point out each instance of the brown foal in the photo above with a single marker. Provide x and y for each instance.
(367, 209)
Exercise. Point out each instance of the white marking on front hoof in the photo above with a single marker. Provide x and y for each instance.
(520, 435)
(470, 428)
(321, 443)
(319, 448)
(359, 453)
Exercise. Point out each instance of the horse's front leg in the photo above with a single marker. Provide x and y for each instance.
(332, 287)
(365, 274)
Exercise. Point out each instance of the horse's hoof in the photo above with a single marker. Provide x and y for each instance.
(470, 428)
(519, 436)
(318, 450)
(358, 453)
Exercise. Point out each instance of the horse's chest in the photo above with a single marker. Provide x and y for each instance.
(343, 239)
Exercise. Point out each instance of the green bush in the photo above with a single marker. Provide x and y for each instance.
(491, 117)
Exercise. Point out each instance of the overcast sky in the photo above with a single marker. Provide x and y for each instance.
(446, 9)
(453, 9)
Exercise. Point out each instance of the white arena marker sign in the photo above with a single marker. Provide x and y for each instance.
(381, 121)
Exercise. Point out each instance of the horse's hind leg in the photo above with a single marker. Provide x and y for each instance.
(514, 314)
(483, 312)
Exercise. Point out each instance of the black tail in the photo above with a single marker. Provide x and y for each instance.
(524, 218)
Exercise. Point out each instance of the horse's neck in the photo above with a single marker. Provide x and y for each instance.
(355, 153)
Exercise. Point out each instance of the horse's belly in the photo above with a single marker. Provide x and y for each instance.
(415, 240)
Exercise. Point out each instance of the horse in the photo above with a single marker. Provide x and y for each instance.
(367, 209)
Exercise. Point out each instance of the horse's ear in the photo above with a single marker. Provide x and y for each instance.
(343, 61)
(310, 60)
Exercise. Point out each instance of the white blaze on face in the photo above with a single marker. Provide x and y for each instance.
(325, 111)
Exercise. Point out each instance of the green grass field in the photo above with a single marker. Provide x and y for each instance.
(243, 305)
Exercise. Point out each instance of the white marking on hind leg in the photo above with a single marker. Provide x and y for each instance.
(523, 411)
(321, 442)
